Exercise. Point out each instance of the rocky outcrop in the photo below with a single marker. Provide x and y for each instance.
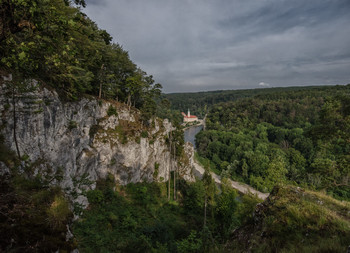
(311, 221)
(80, 142)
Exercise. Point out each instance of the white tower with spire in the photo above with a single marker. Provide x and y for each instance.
(189, 117)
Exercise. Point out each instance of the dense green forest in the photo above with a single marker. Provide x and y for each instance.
(295, 136)
(200, 103)
(55, 43)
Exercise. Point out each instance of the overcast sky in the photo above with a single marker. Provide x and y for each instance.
(199, 45)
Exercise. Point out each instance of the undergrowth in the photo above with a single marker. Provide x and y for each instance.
(297, 220)
(140, 218)
(33, 216)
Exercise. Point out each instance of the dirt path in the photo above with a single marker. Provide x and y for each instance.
(243, 188)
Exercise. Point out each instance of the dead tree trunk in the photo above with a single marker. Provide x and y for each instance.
(100, 91)
(174, 174)
(205, 210)
(169, 178)
(129, 101)
(15, 122)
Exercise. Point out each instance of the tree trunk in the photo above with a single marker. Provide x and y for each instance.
(100, 91)
(205, 210)
(15, 122)
(174, 175)
(129, 101)
(169, 170)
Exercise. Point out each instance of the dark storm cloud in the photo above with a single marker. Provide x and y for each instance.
(192, 45)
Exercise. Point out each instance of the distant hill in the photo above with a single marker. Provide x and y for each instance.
(200, 102)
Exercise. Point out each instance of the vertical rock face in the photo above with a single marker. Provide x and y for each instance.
(79, 139)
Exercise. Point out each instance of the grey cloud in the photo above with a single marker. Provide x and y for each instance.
(193, 45)
(95, 2)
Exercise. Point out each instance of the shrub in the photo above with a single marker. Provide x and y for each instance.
(58, 212)
(190, 244)
(93, 130)
(72, 124)
(144, 134)
(7, 155)
(156, 170)
(112, 111)
(33, 217)
(95, 196)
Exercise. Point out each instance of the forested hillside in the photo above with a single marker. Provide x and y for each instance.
(201, 102)
(55, 43)
(294, 136)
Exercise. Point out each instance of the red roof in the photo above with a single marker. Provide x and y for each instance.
(191, 116)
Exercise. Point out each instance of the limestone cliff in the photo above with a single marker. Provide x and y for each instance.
(81, 141)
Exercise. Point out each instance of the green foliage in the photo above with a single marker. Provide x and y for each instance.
(209, 186)
(295, 220)
(245, 211)
(112, 111)
(226, 211)
(178, 138)
(201, 103)
(144, 134)
(72, 124)
(31, 211)
(82, 180)
(95, 197)
(93, 130)
(137, 224)
(194, 195)
(106, 184)
(139, 218)
(59, 212)
(7, 156)
(296, 136)
(156, 171)
(57, 44)
(190, 244)
(164, 111)
(204, 162)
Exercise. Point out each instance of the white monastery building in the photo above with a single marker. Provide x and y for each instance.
(189, 117)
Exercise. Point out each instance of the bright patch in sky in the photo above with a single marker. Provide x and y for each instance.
(264, 84)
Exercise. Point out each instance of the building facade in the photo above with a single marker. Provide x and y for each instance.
(189, 117)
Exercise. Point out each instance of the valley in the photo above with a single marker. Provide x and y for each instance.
(96, 157)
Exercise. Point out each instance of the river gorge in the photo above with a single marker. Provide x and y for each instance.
(190, 134)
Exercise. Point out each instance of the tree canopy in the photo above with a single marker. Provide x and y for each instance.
(55, 43)
(298, 137)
